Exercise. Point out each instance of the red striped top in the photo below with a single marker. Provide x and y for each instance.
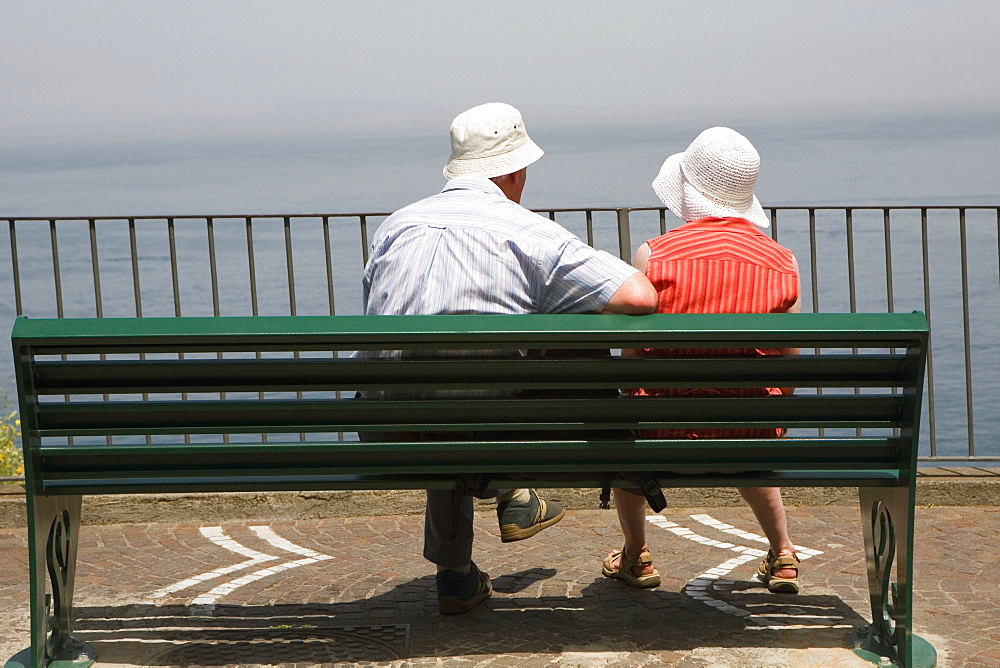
(719, 265)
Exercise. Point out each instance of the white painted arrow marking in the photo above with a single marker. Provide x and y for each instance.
(697, 588)
(220, 538)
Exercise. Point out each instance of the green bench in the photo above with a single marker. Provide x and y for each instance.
(115, 406)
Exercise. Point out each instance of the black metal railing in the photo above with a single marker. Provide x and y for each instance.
(944, 261)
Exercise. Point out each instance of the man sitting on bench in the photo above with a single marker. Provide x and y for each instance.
(473, 249)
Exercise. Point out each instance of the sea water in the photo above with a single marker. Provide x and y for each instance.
(908, 161)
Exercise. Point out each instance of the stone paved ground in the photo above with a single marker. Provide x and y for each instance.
(356, 589)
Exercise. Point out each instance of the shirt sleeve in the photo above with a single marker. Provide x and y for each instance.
(580, 279)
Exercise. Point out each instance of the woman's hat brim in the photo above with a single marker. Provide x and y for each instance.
(689, 203)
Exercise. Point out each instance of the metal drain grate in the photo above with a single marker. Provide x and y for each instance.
(316, 645)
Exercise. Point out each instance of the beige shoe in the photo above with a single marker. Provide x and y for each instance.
(772, 563)
(625, 572)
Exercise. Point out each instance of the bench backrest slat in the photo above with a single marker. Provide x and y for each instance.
(238, 416)
(98, 335)
(117, 462)
(293, 374)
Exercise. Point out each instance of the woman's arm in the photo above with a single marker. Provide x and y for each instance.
(794, 308)
(640, 262)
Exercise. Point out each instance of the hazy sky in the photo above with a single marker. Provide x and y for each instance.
(142, 69)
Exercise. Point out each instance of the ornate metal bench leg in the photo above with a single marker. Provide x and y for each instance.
(887, 521)
(52, 545)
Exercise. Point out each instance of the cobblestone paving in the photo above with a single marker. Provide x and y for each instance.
(356, 589)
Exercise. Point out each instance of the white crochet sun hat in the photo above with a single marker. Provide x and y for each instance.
(715, 176)
(490, 140)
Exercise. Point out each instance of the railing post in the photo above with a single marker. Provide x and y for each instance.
(56, 274)
(134, 260)
(251, 265)
(624, 236)
(887, 231)
(926, 264)
(95, 268)
(18, 308)
(328, 257)
(849, 221)
(213, 268)
(966, 329)
(363, 223)
(174, 277)
(813, 267)
(289, 267)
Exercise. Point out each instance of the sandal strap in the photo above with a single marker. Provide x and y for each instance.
(784, 561)
(627, 563)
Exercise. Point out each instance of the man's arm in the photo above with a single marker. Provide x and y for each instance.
(640, 262)
(636, 296)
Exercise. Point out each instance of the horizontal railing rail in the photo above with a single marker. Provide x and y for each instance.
(942, 260)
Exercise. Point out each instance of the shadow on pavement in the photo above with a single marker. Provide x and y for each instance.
(403, 623)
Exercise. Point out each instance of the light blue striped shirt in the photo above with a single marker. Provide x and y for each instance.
(469, 249)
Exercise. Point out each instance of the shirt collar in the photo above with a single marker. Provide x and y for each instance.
(473, 183)
(729, 220)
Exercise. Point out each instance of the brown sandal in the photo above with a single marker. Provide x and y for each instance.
(625, 572)
(774, 583)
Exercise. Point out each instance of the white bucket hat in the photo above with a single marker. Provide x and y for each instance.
(489, 140)
(715, 176)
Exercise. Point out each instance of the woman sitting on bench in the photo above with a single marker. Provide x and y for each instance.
(717, 262)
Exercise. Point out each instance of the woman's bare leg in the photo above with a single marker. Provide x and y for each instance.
(769, 510)
(632, 517)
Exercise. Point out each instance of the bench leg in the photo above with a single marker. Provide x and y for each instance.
(53, 537)
(887, 519)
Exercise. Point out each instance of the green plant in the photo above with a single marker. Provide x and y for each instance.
(11, 460)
